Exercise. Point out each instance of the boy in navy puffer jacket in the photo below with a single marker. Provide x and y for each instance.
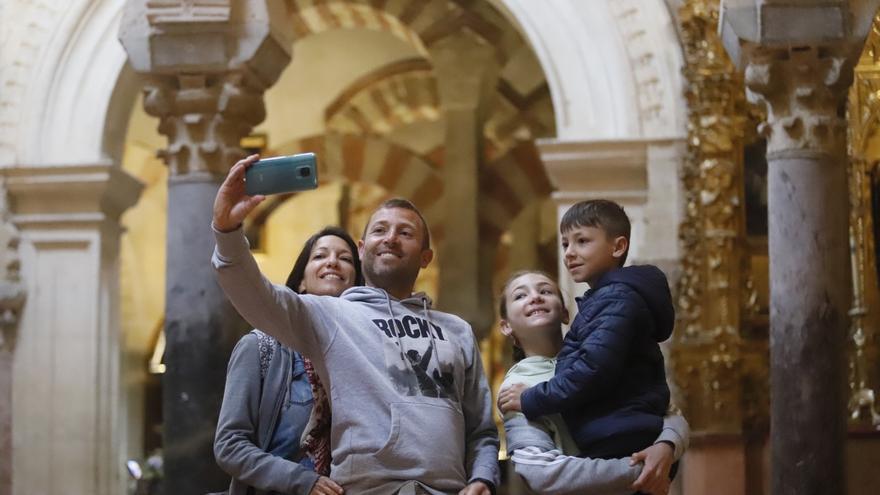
(610, 382)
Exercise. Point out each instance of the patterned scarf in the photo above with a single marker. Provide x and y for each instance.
(316, 439)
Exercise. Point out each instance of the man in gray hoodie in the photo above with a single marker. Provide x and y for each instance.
(377, 349)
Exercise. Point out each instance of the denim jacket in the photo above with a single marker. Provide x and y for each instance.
(267, 392)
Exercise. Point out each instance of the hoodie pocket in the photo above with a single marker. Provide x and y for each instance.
(426, 441)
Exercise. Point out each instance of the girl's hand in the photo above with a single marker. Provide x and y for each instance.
(509, 398)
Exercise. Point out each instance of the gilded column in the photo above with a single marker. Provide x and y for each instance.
(206, 65)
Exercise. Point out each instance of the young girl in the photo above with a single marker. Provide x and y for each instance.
(542, 451)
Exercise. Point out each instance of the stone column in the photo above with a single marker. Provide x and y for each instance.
(467, 72)
(206, 66)
(798, 63)
(66, 391)
(12, 296)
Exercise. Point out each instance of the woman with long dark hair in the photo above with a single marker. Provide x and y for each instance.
(273, 435)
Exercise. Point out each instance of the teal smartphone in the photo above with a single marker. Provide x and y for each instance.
(282, 174)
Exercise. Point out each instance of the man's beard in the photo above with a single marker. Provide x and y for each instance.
(388, 277)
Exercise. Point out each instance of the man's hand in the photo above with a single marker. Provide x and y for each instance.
(326, 486)
(509, 398)
(658, 459)
(476, 488)
(232, 205)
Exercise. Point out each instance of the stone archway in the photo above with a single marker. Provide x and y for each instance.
(476, 101)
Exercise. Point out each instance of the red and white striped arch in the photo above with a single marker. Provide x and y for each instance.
(420, 23)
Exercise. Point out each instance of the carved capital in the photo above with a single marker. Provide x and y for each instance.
(798, 70)
(467, 71)
(206, 65)
(803, 90)
(204, 118)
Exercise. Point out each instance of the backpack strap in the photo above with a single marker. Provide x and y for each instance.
(267, 350)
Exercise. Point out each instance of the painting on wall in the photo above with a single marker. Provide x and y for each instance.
(755, 177)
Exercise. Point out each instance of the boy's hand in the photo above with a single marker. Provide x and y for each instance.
(476, 488)
(658, 459)
(509, 398)
(232, 205)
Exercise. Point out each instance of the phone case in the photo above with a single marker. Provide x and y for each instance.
(282, 174)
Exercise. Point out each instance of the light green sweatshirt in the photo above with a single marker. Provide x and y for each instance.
(531, 371)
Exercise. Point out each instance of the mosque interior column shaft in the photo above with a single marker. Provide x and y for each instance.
(467, 73)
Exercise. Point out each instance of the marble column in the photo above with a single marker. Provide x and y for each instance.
(798, 63)
(205, 68)
(66, 392)
(466, 72)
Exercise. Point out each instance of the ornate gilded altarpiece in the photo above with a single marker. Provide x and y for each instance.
(719, 353)
(720, 360)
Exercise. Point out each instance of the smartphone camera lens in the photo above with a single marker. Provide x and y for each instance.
(304, 172)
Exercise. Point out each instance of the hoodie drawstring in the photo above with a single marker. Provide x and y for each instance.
(394, 328)
(431, 333)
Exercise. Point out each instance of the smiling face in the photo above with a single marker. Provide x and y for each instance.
(534, 313)
(330, 269)
(590, 252)
(393, 250)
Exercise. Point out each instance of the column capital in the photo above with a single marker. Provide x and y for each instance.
(800, 71)
(467, 70)
(802, 90)
(204, 117)
(206, 65)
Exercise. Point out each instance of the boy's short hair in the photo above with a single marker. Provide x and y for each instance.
(404, 204)
(599, 213)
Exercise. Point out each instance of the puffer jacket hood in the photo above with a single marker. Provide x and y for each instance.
(650, 283)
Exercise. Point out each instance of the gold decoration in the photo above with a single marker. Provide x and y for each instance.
(864, 151)
(713, 294)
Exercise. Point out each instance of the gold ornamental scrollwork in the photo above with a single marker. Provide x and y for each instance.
(715, 294)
